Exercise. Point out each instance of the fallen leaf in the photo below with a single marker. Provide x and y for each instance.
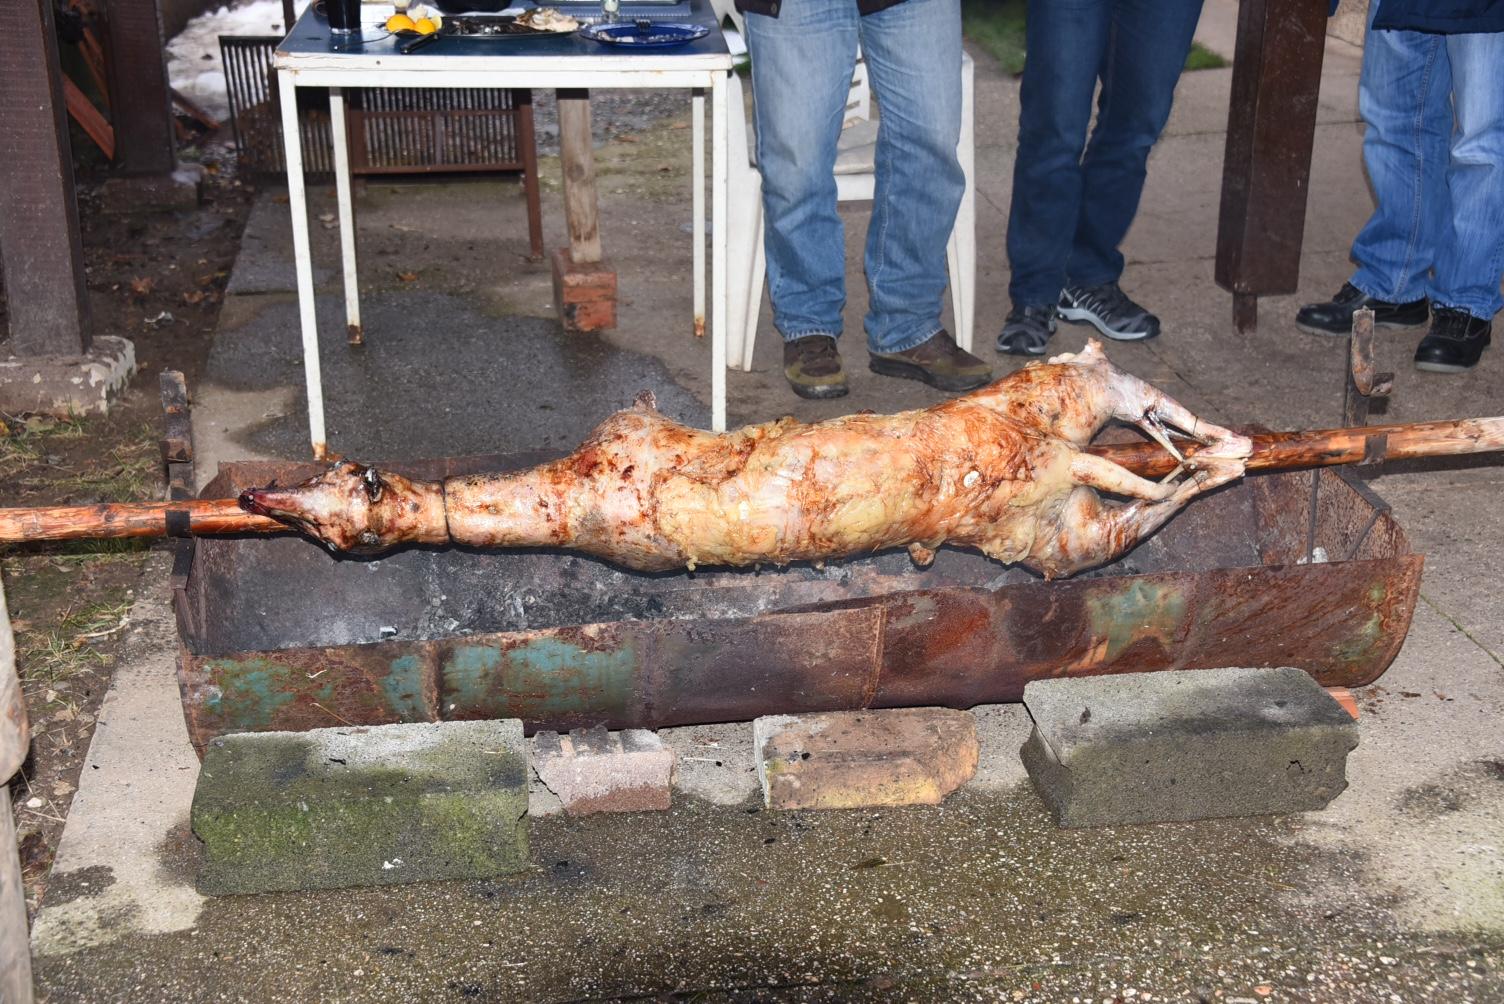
(1408, 693)
(193, 296)
(62, 788)
(142, 286)
(407, 276)
(1263, 990)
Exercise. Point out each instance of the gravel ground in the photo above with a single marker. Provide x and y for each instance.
(612, 113)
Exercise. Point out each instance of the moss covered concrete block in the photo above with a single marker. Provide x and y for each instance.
(362, 806)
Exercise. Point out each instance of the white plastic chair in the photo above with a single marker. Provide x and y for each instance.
(856, 179)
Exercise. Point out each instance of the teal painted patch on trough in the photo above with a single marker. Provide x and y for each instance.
(250, 692)
(404, 690)
(543, 678)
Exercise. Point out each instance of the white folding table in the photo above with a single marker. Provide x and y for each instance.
(311, 56)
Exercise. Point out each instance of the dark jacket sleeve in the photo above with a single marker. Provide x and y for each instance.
(1445, 17)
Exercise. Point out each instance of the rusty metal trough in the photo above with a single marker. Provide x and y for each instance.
(279, 634)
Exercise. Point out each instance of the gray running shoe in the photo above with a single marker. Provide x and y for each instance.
(1108, 309)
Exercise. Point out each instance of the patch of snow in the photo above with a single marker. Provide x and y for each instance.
(193, 62)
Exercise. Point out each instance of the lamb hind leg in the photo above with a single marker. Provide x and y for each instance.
(1090, 532)
(1127, 398)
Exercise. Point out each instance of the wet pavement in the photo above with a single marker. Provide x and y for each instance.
(978, 899)
(1394, 893)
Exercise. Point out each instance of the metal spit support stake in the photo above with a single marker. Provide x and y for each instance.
(1363, 385)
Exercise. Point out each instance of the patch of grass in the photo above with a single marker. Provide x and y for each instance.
(1202, 58)
(998, 27)
(51, 656)
(32, 457)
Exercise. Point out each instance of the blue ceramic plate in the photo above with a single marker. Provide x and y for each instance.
(646, 34)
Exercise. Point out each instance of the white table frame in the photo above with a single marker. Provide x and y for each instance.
(698, 73)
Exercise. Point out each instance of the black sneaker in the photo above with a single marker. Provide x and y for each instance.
(1335, 316)
(939, 362)
(813, 367)
(1108, 309)
(1027, 331)
(1454, 343)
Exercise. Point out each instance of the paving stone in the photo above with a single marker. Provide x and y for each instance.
(848, 759)
(68, 385)
(362, 806)
(592, 770)
(1154, 747)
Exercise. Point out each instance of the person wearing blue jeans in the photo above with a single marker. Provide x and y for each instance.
(1074, 199)
(803, 55)
(1432, 96)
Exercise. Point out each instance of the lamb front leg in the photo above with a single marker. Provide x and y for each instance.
(1088, 532)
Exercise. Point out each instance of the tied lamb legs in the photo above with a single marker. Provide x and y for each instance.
(1002, 469)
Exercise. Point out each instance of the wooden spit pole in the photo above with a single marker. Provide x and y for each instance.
(1271, 451)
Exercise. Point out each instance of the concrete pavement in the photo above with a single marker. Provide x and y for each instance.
(1396, 892)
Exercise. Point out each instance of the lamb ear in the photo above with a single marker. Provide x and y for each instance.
(645, 400)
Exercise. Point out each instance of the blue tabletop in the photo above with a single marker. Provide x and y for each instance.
(311, 36)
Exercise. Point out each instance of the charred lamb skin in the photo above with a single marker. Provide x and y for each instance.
(1002, 470)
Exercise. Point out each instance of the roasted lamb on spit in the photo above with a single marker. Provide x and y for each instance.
(1002, 469)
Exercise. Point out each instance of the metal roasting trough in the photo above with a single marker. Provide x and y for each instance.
(1303, 569)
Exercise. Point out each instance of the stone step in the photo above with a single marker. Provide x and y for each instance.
(592, 770)
(379, 805)
(1197, 744)
(850, 759)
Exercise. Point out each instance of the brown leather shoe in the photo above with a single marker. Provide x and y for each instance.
(813, 367)
(939, 362)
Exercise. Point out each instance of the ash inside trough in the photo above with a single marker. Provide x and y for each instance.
(258, 594)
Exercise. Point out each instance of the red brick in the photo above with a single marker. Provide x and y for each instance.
(592, 770)
(849, 759)
(585, 295)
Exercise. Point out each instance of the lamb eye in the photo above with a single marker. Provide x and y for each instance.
(368, 538)
(373, 484)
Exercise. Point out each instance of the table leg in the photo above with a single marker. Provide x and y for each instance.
(697, 199)
(718, 184)
(292, 154)
(341, 140)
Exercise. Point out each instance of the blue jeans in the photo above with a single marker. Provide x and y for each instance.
(802, 62)
(1434, 149)
(1073, 201)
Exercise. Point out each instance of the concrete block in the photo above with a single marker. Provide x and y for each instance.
(362, 806)
(848, 759)
(585, 295)
(68, 385)
(153, 193)
(1155, 747)
(592, 770)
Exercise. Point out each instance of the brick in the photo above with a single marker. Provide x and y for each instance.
(1199, 744)
(592, 770)
(849, 759)
(68, 385)
(585, 295)
(382, 805)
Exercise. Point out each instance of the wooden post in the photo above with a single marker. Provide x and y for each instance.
(577, 155)
(1271, 125)
(39, 240)
(140, 100)
(15, 739)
